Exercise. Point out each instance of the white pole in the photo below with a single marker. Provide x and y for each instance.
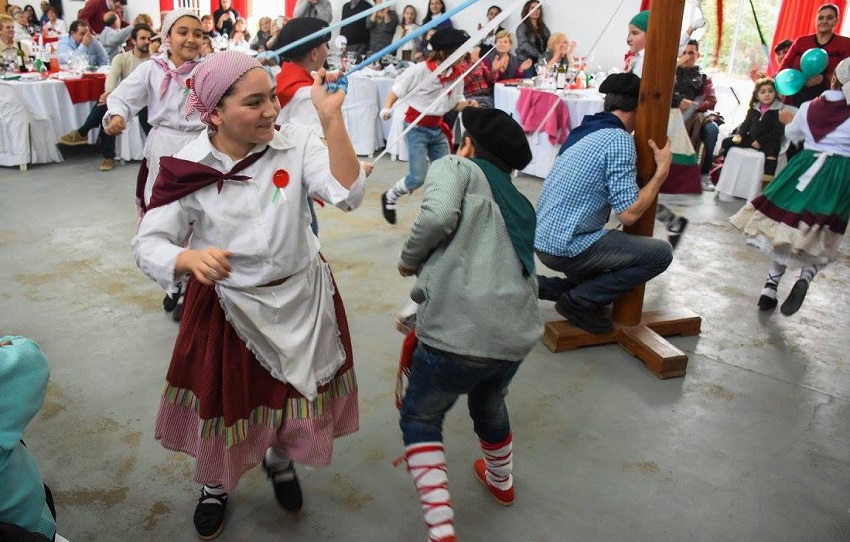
(735, 38)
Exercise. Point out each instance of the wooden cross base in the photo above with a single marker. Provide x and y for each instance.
(645, 341)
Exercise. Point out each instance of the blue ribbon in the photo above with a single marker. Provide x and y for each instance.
(328, 30)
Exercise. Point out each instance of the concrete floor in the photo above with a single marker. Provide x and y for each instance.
(753, 444)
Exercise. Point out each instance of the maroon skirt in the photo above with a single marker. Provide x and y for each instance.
(223, 408)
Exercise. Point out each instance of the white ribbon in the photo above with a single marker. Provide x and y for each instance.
(807, 177)
(465, 48)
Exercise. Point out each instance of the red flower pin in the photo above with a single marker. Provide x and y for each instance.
(280, 180)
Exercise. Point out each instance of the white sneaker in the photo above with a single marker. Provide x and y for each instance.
(707, 185)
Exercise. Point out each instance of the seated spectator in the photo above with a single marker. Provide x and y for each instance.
(208, 26)
(317, 9)
(693, 91)
(264, 32)
(594, 175)
(45, 5)
(7, 35)
(435, 9)
(54, 25)
(238, 41)
(33, 25)
(381, 26)
(207, 46)
(423, 52)
(277, 24)
(113, 36)
(80, 41)
(478, 84)
(503, 64)
(241, 25)
(762, 129)
(490, 39)
(406, 26)
(22, 32)
(122, 65)
(532, 35)
(560, 50)
(25, 502)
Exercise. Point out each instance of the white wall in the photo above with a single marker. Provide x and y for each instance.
(582, 20)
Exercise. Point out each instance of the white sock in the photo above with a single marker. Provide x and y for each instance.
(809, 272)
(426, 462)
(275, 457)
(499, 461)
(398, 189)
(774, 275)
(216, 489)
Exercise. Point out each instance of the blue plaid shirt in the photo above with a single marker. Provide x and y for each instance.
(589, 179)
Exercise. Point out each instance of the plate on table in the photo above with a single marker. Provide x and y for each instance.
(31, 76)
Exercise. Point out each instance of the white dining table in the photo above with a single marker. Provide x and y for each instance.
(579, 104)
(50, 98)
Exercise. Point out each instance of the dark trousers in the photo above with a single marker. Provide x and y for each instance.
(94, 120)
(770, 149)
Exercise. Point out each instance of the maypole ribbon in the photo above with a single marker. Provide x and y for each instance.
(342, 82)
(464, 49)
(327, 30)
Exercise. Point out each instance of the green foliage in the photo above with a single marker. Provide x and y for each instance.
(749, 51)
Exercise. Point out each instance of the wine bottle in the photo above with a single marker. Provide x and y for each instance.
(21, 59)
(561, 76)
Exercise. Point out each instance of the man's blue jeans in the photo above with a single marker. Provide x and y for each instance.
(709, 140)
(611, 266)
(437, 378)
(423, 144)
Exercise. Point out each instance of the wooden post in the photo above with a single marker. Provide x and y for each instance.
(637, 332)
(656, 94)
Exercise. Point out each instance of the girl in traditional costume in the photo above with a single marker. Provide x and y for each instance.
(801, 217)
(262, 369)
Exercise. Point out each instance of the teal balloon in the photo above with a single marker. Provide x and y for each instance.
(813, 62)
(789, 81)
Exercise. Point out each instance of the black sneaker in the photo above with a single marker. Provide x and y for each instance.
(287, 489)
(209, 515)
(795, 299)
(169, 303)
(590, 320)
(675, 229)
(767, 303)
(551, 288)
(388, 209)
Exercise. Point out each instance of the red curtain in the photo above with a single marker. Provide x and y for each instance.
(797, 18)
(289, 8)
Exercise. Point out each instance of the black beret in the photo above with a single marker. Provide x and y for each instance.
(447, 39)
(627, 84)
(297, 28)
(499, 134)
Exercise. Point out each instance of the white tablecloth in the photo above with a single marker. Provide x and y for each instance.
(579, 103)
(51, 98)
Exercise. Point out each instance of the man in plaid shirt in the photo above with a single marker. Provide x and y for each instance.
(594, 175)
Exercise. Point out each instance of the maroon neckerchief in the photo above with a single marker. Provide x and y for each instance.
(178, 177)
(825, 116)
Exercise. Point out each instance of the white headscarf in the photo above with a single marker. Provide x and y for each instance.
(171, 18)
(842, 73)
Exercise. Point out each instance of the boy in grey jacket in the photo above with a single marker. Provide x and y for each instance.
(472, 251)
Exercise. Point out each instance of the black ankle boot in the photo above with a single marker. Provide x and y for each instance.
(209, 515)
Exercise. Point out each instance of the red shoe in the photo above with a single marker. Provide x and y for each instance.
(505, 497)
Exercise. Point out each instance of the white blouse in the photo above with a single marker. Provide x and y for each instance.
(141, 89)
(427, 97)
(836, 142)
(269, 240)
